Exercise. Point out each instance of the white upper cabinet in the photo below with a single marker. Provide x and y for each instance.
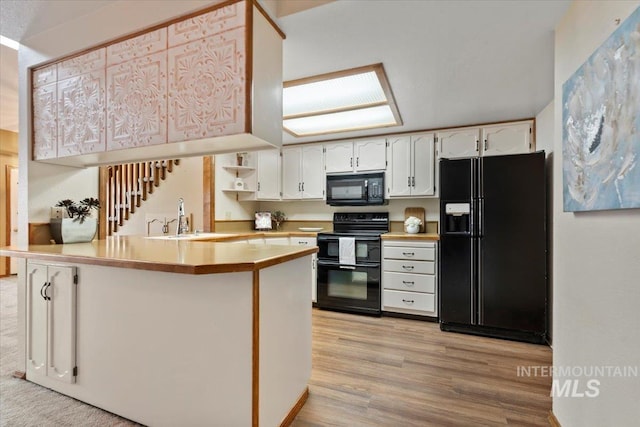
(338, 157)
(456, 143)
(268, 173)
(509, 138)
(358, 156)
(411, 169)
(490, 140)
(302, 172)
(370, 155)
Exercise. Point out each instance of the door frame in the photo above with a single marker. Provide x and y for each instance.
(7, 242)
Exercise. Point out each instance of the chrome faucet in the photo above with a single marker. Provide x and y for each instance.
(183, 224)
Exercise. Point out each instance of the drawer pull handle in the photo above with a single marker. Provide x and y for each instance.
(408, 253)
(408, 301)
(408, 267)
(404, 282)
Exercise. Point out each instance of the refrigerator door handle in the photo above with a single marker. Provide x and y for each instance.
(480, 217)
(478, 302)
(473, 305)
(472, 213)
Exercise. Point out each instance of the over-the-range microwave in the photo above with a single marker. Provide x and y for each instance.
(358, 189)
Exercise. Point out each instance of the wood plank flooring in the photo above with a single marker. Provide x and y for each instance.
(370, 371)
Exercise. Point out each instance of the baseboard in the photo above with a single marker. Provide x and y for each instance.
(553, 420)
(295, 409)
(410, 316)
(20, 375)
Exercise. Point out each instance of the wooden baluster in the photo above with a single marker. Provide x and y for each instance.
(127, 191)
(177, 162)
(143, 179)
(170, 165)
(132, 188)
(156, 174)
(163, 170)
(136, 174)
(109, 199)
(116, 197)
(121, 196)
(152, 176)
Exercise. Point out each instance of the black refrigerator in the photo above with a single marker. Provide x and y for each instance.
(493, 246)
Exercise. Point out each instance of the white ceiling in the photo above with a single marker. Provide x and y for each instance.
(449, 63)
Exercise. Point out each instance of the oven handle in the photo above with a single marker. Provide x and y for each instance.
(325, 263)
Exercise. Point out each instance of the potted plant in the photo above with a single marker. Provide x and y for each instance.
(413, 224)
(278, 217)
(77, 225)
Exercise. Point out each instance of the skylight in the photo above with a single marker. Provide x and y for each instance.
(342, 101)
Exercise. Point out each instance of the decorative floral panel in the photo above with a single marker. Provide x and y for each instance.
(137, 47)
(91, 61)
(214, 22)
(207, 87)
(44, 76)
(44, 122)
(137, 102)
(81, 114)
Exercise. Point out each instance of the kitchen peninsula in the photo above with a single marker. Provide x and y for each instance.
(171, 332)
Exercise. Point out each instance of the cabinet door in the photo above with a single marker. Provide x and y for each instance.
(459, 143)
(370, 155)
(513, 138)
(423, 165)
(338, 157)
(268, 165)
(45, 126)
(291, 182)
(37, 280)
(313, 180)
(399, 171)
(61, 330)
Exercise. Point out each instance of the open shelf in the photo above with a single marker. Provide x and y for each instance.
(232, 190)
(238, 168)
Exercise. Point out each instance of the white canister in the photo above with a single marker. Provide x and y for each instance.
(238, 184)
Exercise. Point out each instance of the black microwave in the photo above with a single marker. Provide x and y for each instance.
(359, 189)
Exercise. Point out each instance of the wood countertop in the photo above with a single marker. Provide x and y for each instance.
(173, 256)
(407, 236)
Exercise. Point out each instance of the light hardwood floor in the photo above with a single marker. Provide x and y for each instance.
(370, 371)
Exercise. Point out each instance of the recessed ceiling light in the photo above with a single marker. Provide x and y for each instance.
(9, 43)
(342, 101)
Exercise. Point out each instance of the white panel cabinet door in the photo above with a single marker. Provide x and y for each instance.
(399, 171)
(51, 321)
(312, 170)
(61, 324)
(370, 155)
(423, 166)
(338, 157)
(37, 280)
(291, 179)
(268, 165)
(459, 143)
(509, 138)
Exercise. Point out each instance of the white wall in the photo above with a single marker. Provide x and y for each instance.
(319, 210)
(596, 256)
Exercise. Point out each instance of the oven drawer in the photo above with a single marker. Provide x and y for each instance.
(400, 252)
(420, 267)
(409, 302)
(409, 282)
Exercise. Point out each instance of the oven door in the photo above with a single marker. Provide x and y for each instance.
(367, 248)
(349, 288)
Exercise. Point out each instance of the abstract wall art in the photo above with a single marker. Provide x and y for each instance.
(601, 125)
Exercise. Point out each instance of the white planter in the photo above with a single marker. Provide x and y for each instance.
(413, 229)
(68, 230)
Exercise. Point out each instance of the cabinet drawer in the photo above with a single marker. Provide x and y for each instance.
(303, 241)
(420, 267)
(409, 301)
(409, 282)
(399, 252)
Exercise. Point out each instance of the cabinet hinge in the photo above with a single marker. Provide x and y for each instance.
(75, 279)
(324, 150)
(75, 371)
(530, 131)
(387, 143)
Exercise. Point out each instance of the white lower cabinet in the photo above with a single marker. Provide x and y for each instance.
(409, 279)
(51, 321)
(300, 241)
